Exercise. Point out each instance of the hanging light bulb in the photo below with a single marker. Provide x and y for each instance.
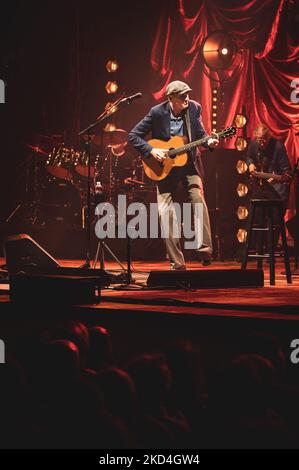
(112, 66)
(111, 87)
(241, 235)
(241, 167)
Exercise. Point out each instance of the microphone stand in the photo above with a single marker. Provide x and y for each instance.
(114, 108)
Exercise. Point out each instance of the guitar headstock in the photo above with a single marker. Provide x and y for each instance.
(228, 132)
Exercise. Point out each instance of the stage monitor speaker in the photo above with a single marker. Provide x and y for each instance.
(49, 290)
(25, 255)
(22, 253)
(206, 279)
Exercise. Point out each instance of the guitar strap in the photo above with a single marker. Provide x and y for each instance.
(188, 124)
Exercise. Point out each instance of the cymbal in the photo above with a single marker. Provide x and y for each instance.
(115, 137)
(36, 149)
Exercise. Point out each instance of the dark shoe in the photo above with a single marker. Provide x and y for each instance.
(204, 258)
(206, 262)
(177, 268)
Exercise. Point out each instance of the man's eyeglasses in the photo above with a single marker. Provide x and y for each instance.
(183, 97)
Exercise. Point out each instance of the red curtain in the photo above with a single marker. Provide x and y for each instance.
(266, 35)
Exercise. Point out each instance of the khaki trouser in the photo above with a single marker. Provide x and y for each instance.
(165, 195)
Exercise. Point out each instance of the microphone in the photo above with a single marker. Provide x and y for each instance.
(131, 98)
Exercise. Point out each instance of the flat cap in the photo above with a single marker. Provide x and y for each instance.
(177, 87)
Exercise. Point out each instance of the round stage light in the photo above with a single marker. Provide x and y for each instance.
(241, 235)
(224, 51)
(242, 212)
(112, 66)
(240, 121)
(111, 87)
(242, 189)
(241, 167)
(111, 108)
(241, 144)
(218, 50)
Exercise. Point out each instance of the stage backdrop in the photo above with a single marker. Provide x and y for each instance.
(266, 34)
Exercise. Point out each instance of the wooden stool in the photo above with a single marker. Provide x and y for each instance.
(267, 208)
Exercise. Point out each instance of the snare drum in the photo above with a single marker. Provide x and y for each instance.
(60, 163)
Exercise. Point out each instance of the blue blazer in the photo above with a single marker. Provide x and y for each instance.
(157, 123)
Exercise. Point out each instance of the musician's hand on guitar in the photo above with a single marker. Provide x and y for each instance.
(213, 140)
(270, 180)
(159, 154)
(252, 169)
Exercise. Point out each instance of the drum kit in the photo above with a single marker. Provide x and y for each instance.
(56, 191)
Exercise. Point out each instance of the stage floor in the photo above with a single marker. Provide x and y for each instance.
(269, 302)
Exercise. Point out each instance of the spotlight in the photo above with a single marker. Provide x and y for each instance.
(242, 189)
(112, 66)
(241, 235)
(218, 50)
(242, 212)
(240, 121)
(241, 167)
(241, 144)
(111, 87)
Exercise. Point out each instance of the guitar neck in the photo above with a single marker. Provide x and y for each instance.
(189, 146)
(263, 175)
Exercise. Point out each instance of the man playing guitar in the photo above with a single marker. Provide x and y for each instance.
(178, 116)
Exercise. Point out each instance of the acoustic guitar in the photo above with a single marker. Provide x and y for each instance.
(177, 155)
